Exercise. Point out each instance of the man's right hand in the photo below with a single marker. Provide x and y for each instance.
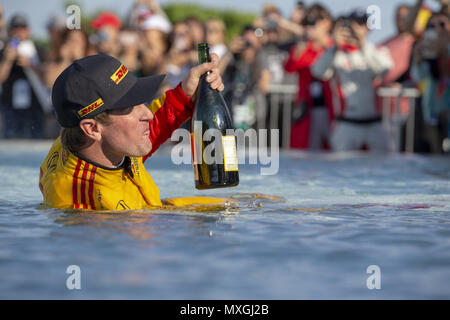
(190, 83)
(342, 36)
(10, 54)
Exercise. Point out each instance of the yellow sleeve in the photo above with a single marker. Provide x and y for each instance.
(188, 201)
(157, 103)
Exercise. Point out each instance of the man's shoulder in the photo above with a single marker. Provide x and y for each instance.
(58, 160)
(53, 154)
(54, 182)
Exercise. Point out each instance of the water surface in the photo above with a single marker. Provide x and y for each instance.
(340, 214)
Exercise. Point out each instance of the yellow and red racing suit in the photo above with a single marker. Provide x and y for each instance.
(68, 181)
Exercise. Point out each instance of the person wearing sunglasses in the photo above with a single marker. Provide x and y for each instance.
(23, 99)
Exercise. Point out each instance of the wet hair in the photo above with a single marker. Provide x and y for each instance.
(74, 139)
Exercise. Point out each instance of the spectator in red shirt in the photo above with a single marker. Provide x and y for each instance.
(313, 111)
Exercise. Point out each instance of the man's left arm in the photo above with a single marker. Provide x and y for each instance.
(176, 105)
(169, 113)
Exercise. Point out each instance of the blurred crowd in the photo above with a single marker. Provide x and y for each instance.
(326, 62)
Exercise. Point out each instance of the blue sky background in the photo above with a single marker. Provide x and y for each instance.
(39, 11)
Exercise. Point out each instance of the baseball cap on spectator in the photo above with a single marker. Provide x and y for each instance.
(94, 84)
(157, 22)
(359, 15)
(106, 19)
(18, 21)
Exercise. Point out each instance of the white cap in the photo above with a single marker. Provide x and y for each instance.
(157, 22)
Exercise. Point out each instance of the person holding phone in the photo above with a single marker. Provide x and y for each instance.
(21, 97)
(182, 55)
(351, 65)
(313, 111)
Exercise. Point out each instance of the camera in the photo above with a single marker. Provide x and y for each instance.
(347, 23)
(247, 44)
(14, 43)
(271, 24)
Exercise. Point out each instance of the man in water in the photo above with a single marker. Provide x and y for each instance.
(109, 130)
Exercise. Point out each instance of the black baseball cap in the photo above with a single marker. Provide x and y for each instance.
(98, 83)
(359, 15)
(18, 21)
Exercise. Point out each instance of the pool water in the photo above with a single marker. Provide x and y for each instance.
(330, 218)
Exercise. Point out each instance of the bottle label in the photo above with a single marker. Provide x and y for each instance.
(230, 159)
(194, 158)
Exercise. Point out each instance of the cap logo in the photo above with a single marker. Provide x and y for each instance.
(93, 106)
(119, 74)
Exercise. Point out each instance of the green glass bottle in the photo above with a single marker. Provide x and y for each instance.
(213, 148)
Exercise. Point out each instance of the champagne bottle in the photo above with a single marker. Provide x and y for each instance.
(213, 151)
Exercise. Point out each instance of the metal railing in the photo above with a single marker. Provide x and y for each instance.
(287, 94)
(396, 113)
(398, 109)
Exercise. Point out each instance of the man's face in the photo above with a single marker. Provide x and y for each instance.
(109, 40)
(298, 14)
(214, 33)
(154, 39)
(251, 37)
(21, 33)
(441, 24)
(319, 29)
(128, 132)
(400, 19)
(182, 40)
(197, 31)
